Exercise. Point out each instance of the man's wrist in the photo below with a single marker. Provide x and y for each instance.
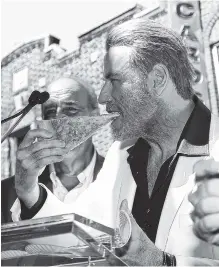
(29, 197)
(26, 213)
(168, 259)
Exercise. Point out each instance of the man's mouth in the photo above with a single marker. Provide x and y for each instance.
(114, 110)
(116, 123)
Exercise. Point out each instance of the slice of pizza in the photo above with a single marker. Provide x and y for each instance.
(76, 130)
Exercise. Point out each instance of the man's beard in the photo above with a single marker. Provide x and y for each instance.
(117, 134)
(128, 131)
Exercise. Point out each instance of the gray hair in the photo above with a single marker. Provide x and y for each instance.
(152, 44)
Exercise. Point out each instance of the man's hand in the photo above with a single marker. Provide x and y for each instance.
(206, 201)
(31, 158)
(140, 250)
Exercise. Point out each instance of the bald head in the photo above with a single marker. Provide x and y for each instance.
(64, 84)
(63, 87)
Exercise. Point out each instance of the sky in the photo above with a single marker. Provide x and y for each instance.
(22, 21)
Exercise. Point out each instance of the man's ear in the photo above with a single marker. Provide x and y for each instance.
(158, 78)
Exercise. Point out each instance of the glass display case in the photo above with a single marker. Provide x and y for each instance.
(57, 241)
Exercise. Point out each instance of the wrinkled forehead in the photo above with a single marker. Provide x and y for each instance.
(67, 88)
(117, 60)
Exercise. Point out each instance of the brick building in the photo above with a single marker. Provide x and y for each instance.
(34, 64)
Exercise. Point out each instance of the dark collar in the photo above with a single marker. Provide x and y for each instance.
(194, 138)
(196, 130)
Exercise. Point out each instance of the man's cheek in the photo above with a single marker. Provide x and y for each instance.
(116, 124)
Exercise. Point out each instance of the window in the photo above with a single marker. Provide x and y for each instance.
(215, 56)
(20, 80)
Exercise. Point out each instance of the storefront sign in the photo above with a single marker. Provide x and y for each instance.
(185, 19)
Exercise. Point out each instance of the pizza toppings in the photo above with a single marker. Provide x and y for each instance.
(76, 130)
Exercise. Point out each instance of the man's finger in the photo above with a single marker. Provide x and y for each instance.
(200, 234)
(206, 169)
(40, 155)
(194, 216)
(207, 224)
(205, 189)
(211, 187)
(46, 161)
(33, 134)
(207, 206)
(41, 145)
(210, 237)
(196, 196)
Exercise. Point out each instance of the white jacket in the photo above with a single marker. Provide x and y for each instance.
(115, 183)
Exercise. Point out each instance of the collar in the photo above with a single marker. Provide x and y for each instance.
(88, 170)
(196, 130)
(194, 138)
(82, 177)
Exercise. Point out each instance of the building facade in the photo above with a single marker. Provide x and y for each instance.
(35, 64)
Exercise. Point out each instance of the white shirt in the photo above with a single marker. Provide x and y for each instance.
(85, 178)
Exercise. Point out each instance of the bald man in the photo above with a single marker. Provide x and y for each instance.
(65, 176)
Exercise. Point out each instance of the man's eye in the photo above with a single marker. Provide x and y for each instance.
(70, 109)
(114, 80)
(50, 112)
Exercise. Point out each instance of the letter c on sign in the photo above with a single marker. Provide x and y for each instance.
(185, 10)
(198, 77)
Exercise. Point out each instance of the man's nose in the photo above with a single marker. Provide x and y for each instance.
(59, 113)
(105, 94)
